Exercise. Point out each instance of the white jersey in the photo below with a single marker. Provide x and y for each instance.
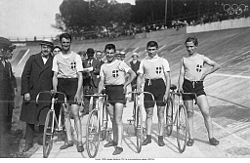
(114, 73)
(153, 68)
(194, 66)
(68, 65)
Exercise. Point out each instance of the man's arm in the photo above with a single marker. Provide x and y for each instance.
(25, 80)
(130, 78)
(181, 76)
(101, 85)
(167, 79)
(55, 81)
(139, 82)
(215, 66)
(79, 86)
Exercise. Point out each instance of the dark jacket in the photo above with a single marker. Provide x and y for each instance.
(91, 79)
(7, 82)
(36, 77)
(135, 67)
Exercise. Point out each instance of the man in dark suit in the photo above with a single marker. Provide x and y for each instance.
(90, 78)
(36, 77)
(135, 64)
(6, 88)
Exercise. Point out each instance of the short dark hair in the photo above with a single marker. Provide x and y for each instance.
(110, 46)
(65, 35)
(152, 44)
(57, 47)
(192, 39)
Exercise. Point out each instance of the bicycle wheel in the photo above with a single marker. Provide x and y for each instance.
(139, 129)
(48, 134)
(169, 107)
(93, 134)
(182, 128)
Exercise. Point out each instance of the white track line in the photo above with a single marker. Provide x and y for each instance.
(226, 130)
(135, 49)
(234, 58)
(162, 47)
(233, 76)
(26, 53)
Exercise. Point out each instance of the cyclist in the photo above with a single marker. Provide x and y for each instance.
(112, 75)
(156, 71)
(67, 67)
(192, 75)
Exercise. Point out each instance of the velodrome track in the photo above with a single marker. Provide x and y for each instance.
(228, 91)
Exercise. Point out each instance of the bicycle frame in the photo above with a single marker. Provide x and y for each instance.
(50, 122)
(97, 123)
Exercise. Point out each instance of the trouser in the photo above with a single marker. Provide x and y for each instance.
(3, 137)
(30, 132)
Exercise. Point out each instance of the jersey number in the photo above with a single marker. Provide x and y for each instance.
(115, 73)
(158, 70)
(73, 65)
(198, 68)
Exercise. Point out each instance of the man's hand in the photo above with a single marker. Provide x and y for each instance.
(27, 97)
(77, 98)
(124, 89)
(15, 91)
(165, 98)
(203, 76)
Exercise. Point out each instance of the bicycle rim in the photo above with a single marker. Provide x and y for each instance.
(169, 116)
(182, 129)
(48, 134)
(139, 130)
(93, 135)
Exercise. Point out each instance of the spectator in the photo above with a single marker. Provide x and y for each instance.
(6, 78)
(56, 50)
(135, 64)
(90, 80)
(36, 77)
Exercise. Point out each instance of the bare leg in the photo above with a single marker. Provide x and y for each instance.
(149, 117)
(118, 121)
(77, 121)
(190, 113)
(204, 107)
(160, 115)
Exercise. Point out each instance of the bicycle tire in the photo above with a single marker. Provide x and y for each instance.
(182, 128)
(169, 107)
(93, 134)
(139, 129)
(48, 134)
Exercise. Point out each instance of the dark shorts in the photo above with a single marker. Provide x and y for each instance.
(158, 89)
(195, 87)
(69, 87)
(115, 94)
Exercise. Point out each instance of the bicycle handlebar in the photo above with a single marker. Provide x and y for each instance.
(52, 93)
(95, 95)
(137, 92)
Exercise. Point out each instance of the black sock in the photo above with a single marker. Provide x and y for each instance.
(149, 137)
(160, 137)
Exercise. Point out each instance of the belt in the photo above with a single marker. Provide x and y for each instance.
(150, 80)
(194, 82)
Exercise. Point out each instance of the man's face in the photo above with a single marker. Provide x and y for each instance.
(6, 53)
(152, 51)
(65, 43)
(99, 56)
(90, 56)
(110, 54)
(135, 57)
(191, 48)
(46, 50)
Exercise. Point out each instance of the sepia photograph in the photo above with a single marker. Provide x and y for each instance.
(125, 80)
